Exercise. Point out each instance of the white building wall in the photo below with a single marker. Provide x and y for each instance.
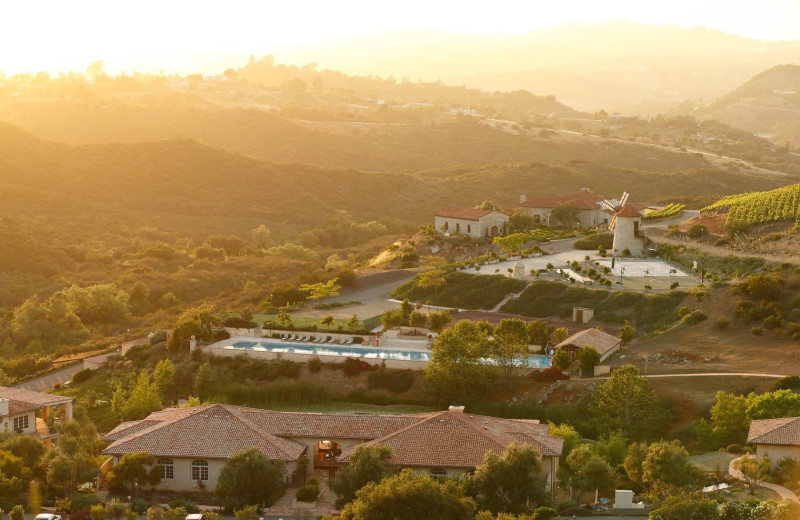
(183, 481)
(776, 452)
(8, 422)
(474, 228)
(624, 237)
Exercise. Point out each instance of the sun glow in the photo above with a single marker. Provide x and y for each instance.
(202, 36)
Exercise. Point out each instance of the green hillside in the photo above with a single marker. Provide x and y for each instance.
(760, 207)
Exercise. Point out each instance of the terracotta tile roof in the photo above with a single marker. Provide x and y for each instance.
(459, 440)
(463, 213)
(210, 432)
(601, 341)
(775, 431)
(628, 210)
(25, 401)
(128, 428)
(341, 426)
(580, 199)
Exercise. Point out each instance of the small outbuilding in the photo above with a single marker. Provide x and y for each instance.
(605, 344)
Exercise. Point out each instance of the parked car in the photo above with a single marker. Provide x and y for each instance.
(47, 516)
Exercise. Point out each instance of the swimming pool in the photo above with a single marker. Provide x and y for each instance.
(357, 352)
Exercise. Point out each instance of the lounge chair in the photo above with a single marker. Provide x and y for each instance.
(330, 340)
(349, 341)
(284, 337)
(306, 339)
(319, 340)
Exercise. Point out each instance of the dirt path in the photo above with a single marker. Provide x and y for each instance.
(657, 236)
(694, 374)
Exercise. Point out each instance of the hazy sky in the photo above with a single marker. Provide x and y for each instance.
(201, 35)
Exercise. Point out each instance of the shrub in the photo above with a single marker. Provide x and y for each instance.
(694, 318)
(722, 323)
(756, 331)
(354, 367)
(80, 514)
(550, 374)
(16, 513)
(139, 506)
(82, 375)
(787, 383)
(697, 230)
(83, 501)
(314, 364)
(734, 448)
(309, 491)
(543, 513)
(683, 311)
(772, 322)
(566, 504)
(395, 381)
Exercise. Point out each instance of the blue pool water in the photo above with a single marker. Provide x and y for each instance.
(357, 352)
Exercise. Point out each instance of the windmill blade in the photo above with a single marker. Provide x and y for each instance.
(624, 198)
(613, 223)
(609, 205)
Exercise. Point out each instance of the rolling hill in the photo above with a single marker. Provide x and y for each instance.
(363, 146)
(767, 105)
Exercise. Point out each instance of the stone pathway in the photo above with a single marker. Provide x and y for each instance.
(785, 494)
(326, 505)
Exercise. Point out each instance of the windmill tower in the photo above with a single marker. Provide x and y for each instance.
(625, 223)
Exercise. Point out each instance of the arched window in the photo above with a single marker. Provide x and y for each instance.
(199, 470)
(458, 227)
(167, 468)
(469, 228)
(438, 472)
(446, 226)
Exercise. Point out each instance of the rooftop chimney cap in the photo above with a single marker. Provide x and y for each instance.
(456, 409)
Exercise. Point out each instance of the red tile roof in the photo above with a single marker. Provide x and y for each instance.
(26, 401)
(209, 432)
(580, 199)
(601, 341)
(219, 431)
(628, 210)
(460, 440)
(784, 431)
(464, 213)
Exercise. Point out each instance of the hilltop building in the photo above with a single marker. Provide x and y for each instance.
(590, 205)
(605, 344)
(192, 444)
(477, 223)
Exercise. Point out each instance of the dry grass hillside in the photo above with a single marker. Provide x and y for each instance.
(768, 104)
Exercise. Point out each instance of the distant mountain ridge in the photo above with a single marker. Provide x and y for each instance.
(623, 66)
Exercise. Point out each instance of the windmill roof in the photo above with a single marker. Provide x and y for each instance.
(628, 211)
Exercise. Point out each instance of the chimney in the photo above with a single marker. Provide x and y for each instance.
(3, 407)
(522, 198)
(192, 344)
(456, 409)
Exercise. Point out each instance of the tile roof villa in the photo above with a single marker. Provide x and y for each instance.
(192, 444)
(605, 344)
(18, 411)
(776, 438)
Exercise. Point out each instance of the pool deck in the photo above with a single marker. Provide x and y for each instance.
(228, 348)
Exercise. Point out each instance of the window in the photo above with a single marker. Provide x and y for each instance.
(167, 468)
(199, 470)
(446, 226)
(438, 472)
(21, 422)
(469, 228)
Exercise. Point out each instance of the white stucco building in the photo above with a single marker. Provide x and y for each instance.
(591, 212)
(477, 223)
(192, 445)
(776, 438)
(27, 412)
